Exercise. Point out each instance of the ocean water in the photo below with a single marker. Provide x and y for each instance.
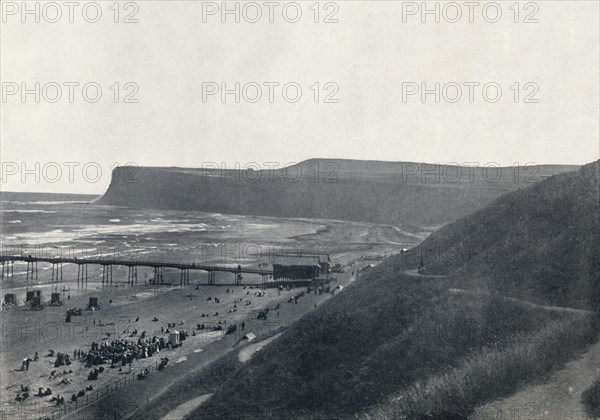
(71, 227)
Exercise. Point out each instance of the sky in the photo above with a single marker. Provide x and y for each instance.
(353, 73)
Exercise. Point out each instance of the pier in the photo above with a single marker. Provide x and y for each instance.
(7, 269)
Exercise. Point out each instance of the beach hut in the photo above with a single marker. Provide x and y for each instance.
(93, 303)
(36, 303)
(55, 299)
(10, 299)
(174, 338)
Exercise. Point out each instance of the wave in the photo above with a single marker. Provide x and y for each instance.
(28, 211)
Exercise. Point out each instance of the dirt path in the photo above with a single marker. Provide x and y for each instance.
(415, 273)
(186, 408)
(557, 398)
(523, 302)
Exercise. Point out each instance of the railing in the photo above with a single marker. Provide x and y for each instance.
(139, 263)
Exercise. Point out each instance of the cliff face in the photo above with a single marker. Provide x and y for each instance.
(383, 192)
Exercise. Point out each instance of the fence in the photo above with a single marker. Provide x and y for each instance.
(69, 409)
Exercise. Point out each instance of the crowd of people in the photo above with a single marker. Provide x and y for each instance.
(81, 393)
(124, 351)
(62, 359)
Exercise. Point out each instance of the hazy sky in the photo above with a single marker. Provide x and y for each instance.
(374, 53)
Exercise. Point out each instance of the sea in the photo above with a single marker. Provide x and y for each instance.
(74, 226)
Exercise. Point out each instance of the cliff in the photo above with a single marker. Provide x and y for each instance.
(383, 192)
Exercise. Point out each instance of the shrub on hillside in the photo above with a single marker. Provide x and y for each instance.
(591, 400)
(491, 373)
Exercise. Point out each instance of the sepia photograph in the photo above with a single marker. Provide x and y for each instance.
(300, 210)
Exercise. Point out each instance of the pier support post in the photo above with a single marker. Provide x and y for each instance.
(185, 277)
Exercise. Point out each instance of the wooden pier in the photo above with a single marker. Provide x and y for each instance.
(7, 266)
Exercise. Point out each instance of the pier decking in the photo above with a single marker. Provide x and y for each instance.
(7, 264)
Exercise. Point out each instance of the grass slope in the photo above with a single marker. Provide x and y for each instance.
(541, 243)
(391, 333)
(404, 347)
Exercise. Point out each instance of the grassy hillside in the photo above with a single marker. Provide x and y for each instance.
(399, 193)
(398, 346)
(390, 333)
(541, 243)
